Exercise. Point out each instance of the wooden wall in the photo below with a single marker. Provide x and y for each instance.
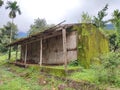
(52, 50)
(72, 46)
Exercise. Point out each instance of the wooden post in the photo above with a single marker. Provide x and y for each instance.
(64, 48)
(20, 52)
(9, 55)
(40, 52)
(25, 55)
(16, 53)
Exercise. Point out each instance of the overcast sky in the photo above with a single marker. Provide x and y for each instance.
(55, 11)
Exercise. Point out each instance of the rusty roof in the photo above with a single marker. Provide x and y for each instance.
(41, 34)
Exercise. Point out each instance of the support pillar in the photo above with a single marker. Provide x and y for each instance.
(25, 55)
(40, 52)
(16, 53)
(9, 55)
(64, 48)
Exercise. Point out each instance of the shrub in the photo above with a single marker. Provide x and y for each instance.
(109, 70)
(74, 63)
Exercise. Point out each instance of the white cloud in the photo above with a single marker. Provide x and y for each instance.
(55, 11)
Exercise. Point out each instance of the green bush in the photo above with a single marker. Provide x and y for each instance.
(109, 70)
(73, 63)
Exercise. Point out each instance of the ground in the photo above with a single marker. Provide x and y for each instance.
(17, 78)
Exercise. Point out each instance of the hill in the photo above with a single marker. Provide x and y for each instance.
(22, 34)
(109, 27)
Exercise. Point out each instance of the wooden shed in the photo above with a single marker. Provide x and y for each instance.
(55, 46)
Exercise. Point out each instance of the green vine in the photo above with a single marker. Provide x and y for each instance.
(91, 43)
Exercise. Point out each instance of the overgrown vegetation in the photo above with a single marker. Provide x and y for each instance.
(91, 43)
(106, 74)
(109, 70)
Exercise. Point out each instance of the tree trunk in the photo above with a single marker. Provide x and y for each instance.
(11, 32)
(10, 41)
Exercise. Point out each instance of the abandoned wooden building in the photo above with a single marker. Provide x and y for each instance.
(62, 44)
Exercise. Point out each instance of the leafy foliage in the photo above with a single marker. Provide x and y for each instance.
(74, 63)
(38, 26)
(116, 19)
(5, 35)
(111, 34)
(109, 71)
(1, 3)
(86, 18)
(14, 9)
(112, 40)
(99, 20)
(116, 22)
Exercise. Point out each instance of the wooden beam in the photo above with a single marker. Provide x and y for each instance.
(64, 48)
(16, 53)
(25, 55)
(40, 52)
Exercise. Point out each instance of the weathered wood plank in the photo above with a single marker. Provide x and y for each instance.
(25, 54)
(16, 52)
(9, 55)
(41, 52)
(64, 48)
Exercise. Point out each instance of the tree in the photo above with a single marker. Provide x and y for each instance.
(86, 18)
(7, 30)
(5, 35)
(14, 8)
(1, 3)
(99, 20)
(4, 40)
(116, 22)
(38, 26)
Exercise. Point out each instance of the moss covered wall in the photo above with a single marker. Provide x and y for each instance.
(91, 43)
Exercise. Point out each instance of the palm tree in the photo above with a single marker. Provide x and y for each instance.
(14, 8)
